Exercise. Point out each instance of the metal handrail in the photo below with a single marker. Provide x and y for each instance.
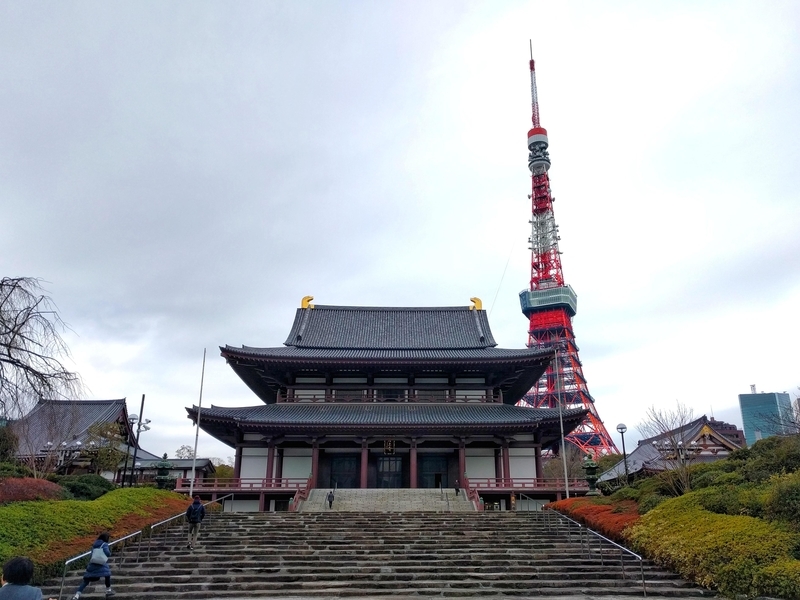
(300, 496)
(472, 494)
(601, 539)
(127, 537)
(521, 496)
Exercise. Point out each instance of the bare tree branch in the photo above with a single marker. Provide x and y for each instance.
(668, 428)
(31, 348)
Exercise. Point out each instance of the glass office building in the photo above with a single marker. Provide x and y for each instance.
(765, 414)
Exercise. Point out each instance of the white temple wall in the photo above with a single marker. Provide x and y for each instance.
(254, 463)
(479, 462)
(521, 463)
(241, 505)
(297, 462)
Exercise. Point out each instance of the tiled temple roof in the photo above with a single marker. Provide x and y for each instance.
(58, 421)
(382, 328)
(385, 418)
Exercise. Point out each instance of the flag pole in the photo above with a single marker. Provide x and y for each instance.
(197, 430)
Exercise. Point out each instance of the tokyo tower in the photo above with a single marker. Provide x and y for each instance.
(550, 304)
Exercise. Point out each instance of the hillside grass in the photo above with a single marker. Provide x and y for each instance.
(50, 531)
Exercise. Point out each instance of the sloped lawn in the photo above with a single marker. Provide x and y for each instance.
(50, 531)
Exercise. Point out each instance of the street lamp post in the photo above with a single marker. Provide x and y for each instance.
(142, 425)
(622, 428)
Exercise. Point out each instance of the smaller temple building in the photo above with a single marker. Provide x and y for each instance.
(375, 397)
(701, 440)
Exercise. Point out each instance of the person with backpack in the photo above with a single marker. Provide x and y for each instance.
(194, 515)
(98, 566)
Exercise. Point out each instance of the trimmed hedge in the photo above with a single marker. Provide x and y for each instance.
(21, 489)
(782, 501)
(13, 469)
(86, 487)
(601, 514)
(733, 553)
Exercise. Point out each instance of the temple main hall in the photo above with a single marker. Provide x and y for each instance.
(377, 397)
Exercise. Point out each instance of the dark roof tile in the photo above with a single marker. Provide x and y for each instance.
(384, 413)
(376, 328)
(58, 421)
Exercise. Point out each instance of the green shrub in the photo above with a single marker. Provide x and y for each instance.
(626, 493)
(783, 500)
(733, 478)
(731, 553)
(657, 484)
(745, 499)
(13, 469)
(650, 502)
(768, 457)
(722, 500)
(780, 579)
(706, 474)
(86, 487)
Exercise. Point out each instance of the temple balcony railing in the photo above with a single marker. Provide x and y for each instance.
(344, 397)
(241, 484)
(500, 484)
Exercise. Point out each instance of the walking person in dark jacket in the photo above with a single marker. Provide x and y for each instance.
(330, 499)
(98, 566)
(194, 515)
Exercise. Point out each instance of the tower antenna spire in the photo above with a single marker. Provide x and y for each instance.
(549, 303)
(534, 96)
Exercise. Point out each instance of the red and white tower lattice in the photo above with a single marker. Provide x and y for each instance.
(550, 305)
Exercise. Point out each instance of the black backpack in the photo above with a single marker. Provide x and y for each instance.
(194, 513)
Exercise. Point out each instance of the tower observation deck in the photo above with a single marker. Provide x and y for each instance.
(549, 304)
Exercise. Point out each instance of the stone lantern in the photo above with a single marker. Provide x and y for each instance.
(590, 467)
(163, 479)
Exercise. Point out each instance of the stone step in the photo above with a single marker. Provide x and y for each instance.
(387, 500)
(379, 554)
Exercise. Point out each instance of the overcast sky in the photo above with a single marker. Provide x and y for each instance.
(182, 174)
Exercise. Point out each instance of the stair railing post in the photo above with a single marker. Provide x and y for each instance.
(64, 576)
(644, 587)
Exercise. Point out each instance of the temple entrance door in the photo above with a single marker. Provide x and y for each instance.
(432, 471)
(344, 472)
(390, 471)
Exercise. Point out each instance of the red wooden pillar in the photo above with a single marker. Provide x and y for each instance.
(498, 467)
(506, 464)
(462, 461)
(537, 461)
(364, 464)
(413, 461)
(270, 463)
(314, 462)
(279, 465)
(237, 463)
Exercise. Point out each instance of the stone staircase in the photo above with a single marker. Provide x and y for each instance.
(389, 500)
(342, 554)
